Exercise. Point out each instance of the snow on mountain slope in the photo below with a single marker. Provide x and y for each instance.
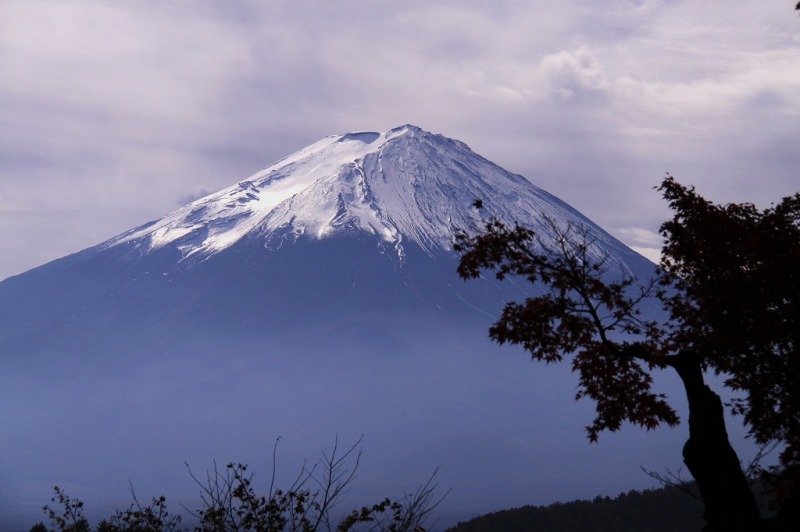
(404, 185)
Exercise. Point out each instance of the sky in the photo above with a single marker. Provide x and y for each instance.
(115, 113)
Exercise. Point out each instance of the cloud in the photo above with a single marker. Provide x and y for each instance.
(186, 199)
(640, 236)
(653, 254)
(643, 241)
(129, 105)
(575, 74)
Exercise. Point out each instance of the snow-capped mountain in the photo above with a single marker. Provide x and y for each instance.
(403, 186)
(317, 297)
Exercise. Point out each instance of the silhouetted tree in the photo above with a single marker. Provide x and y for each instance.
(231, 503)
(661, 510)
(730, 280)
(67, 515)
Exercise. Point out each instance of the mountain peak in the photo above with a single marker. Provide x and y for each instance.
(404, 185)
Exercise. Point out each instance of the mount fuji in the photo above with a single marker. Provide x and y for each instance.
(316, 298)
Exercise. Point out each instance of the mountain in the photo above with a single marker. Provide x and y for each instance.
(315, 298)
(405, 186)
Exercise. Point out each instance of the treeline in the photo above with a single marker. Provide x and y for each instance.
(229, 501)
(659, 510)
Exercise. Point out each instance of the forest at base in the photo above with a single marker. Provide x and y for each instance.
(667, 509)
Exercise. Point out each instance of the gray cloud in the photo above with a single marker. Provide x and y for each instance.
(108, 112)
(202, 192)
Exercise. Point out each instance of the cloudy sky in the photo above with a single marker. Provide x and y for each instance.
(114, 113)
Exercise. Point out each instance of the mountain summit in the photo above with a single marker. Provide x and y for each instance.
(403, 186)
(315, 298)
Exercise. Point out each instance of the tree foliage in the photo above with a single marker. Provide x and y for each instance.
(230, 502)
(736, 304)
(67, 514)
(730, 283)
(580, 315)
(661, 510)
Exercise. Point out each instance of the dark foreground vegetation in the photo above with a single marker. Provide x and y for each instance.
(676, 507)
(667, 509)
(230, 502)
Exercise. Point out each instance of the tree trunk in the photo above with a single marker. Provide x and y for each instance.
(727, 497)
